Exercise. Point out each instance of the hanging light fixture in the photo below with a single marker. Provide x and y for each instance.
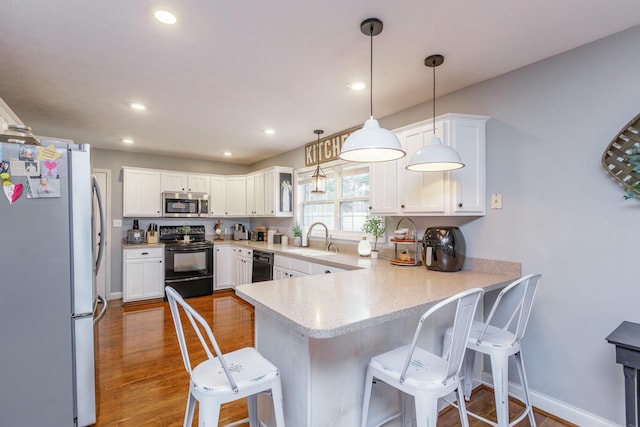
(318, 179)
(371, 143)
(435, 156)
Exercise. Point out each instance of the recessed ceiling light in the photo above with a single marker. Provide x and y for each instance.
(357, 85)
(127, 141)
(269, 131)
(165, 17)
(227, 153)
(137, 106)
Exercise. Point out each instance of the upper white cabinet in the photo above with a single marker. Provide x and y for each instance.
(235, 196)
(182, 182)
(398, 191)
(278, 194)
(255, 194)
(217, 194)
(141, 195)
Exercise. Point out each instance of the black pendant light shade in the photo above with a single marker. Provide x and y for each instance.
(318, 179)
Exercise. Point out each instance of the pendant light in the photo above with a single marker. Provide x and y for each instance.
(318, 179)
(435, 156)
(371, 143)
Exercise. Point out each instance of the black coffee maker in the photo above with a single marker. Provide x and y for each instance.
(443, 249)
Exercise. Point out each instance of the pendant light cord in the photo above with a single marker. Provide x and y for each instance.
(371, 70)
(434, 99)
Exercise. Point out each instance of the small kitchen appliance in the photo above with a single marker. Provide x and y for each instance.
(444, 249)
(135, 236)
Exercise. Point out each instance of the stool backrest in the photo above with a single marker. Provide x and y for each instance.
(519, 310)
(202, 330)
(467, 302)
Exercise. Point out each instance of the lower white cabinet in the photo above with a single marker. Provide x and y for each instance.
(244, 265)
(286, 267)
(225, 266)
(142, 273)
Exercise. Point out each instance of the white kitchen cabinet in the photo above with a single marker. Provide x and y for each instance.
(278, 193)
(460, 192)
(141, 193)
(324, 269)
(255, 194)
(244, 265)
(142, 273)
(225, 266)
(185, 183)
(286, 267)
(217, 202)
(235, 196)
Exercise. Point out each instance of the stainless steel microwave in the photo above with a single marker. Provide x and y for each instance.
(185, 205)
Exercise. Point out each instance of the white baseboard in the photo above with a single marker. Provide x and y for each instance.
(556, 407)
(115, 295)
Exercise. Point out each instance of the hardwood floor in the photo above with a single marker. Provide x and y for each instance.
(141, 379)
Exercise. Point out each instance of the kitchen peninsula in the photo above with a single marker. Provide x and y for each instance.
(321, 330)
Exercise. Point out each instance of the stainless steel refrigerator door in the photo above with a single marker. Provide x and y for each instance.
(85, 374)
(81, 189)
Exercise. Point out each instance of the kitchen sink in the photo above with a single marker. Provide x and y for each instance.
(308, 252)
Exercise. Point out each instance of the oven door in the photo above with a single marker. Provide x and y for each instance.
(189, 270)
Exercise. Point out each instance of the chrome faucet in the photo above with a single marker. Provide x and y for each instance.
(327, 241)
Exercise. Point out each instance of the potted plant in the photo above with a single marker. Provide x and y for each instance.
(375, 226)
(297, 234)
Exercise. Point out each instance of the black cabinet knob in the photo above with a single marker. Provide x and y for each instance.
(459, 205)
(402, 206)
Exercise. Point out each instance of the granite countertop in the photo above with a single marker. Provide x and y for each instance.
(142, 245)
(330, 305)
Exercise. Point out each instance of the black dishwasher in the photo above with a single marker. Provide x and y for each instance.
(262, 266)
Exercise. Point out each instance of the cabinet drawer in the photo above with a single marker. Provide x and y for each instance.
(143, 253)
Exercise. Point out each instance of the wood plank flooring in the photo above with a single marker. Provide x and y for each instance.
(141, 380)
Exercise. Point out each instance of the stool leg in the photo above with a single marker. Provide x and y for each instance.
(188, 413)
(468, 364)
(208, 413)
(426, 410)
(462, 407)
(276, 392)
(500, 373)
(368, 383)
(525, 386)
(252, 406)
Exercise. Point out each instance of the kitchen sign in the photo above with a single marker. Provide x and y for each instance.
(327, 149)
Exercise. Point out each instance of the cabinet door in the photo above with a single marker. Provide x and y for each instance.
(468, 185)
(251, 198)
(258, 194)
(280, 273)
(174, 181)
(225, 267)
(421, 192)
(141, 193)
(384, 188)
(269, 193)
(143, 279)
(283, 188)
(236, 199)
(217, 196)
(198, 183)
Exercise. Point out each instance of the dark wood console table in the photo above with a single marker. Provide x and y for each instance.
(626, 338)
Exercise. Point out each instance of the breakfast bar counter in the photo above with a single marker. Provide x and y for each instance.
(321, 331)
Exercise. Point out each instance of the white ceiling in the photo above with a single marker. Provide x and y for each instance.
(229, 69)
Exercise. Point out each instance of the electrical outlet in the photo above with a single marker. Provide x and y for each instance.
(496, 201)
(117, 223)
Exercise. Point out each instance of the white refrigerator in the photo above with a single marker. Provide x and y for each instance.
(47, 292)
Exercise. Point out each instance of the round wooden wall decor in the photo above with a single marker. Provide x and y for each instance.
(621, 159)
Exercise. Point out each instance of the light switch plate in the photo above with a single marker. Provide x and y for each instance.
(496, 201)
(117, 223)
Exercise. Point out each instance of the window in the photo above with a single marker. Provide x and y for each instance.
(343, 207)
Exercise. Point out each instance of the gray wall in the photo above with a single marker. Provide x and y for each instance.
(562, 215)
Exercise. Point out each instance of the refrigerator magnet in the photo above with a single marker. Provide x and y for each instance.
(11, 190)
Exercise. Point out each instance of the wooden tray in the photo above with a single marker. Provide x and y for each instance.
(396, 261)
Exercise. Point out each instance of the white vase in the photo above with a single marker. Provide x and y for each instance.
(297, 241)
(364, 248)
(374, 254)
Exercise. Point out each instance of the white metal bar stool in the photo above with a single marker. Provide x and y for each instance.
(499, 337)
(223, 378)
(422, 374)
